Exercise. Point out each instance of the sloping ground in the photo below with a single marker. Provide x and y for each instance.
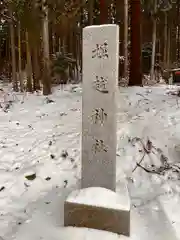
(41, 141)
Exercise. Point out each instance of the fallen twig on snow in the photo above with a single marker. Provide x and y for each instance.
(148, 170)
(139, 94)
(146, 150)
(159, 171)
(137, 164)
(162, 169)
(165, 166)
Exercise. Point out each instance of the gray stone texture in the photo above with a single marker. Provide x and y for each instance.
(100, 80)
(98, 216)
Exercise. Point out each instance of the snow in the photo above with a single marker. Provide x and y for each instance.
(34, 136)
(100, 197)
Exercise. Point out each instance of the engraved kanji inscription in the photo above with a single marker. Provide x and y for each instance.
(99, 116)
(100, 84)
(99, 146)
(101, 51)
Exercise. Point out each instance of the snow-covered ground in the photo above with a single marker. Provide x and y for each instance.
(41, 141)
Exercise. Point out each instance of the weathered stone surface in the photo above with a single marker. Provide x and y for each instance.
(98, 208)
(97, 205)
(100, 80)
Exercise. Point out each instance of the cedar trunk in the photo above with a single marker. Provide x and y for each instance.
(135, 64)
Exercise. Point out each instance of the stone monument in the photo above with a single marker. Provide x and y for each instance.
(97, 204)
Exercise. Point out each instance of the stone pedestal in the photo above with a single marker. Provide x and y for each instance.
(99, 208)
(97, 205)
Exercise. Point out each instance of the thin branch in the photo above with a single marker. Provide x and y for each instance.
(146, 150)
(148, 170)
(137, 164)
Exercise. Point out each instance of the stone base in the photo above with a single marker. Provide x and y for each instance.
(98, 208)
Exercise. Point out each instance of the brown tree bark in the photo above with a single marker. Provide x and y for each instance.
(153, 57)
(13, 56)
(165, 38)
(46, 58)
(91, 11)
(103, 11)
(125, 38)
(169, 47)
(36, 69)
(19, 58)
(29, 64)
(178, 31)
(135, 78)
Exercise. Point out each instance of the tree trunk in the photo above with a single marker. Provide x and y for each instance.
(36, 69)
(169, 47)
(46, 59)
(165, 39)
(19, 58)
(53, 40)
(29, 64)
(126, 38)
(153, 57)
(91, 11)
(103, 11)
(13, 57)
(135, 78)
(178, 31)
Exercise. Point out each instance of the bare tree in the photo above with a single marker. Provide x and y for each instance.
(154, 40)
(135, 64)
(126, 38)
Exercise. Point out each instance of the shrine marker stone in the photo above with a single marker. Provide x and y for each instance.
(100, 81)
(97, 204)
